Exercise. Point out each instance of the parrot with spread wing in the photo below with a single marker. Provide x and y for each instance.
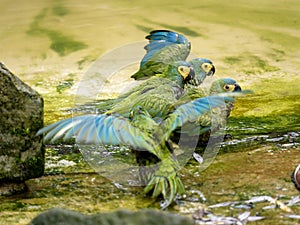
(140, 132)
(155, 96)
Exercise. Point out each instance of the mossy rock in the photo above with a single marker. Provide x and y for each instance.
(21, 151)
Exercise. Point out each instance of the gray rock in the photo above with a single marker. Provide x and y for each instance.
(21, 151)
(58, 216)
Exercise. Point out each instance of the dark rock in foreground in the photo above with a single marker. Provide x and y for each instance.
(121, 217)
(21, 116)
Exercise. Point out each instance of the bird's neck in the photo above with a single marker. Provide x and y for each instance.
(177, 80)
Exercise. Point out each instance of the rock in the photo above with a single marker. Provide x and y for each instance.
(58, 216)
(21, 151)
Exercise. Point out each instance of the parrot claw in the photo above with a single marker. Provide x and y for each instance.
(169, 187)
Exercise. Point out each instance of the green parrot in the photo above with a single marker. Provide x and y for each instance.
(166, 47)
(201, 131)
(142, 133)
(154, 95)
(203, 67)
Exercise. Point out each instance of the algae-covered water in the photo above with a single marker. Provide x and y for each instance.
(53, 45)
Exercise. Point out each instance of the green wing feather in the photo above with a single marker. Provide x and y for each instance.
(160, 61)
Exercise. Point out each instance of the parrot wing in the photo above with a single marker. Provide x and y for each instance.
(164, 48)
(99, 129)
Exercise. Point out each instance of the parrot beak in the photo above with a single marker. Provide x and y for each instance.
(191, 77)
(237, 88)
(212, 71)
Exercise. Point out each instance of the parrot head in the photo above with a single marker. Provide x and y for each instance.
(180, 70)
(203, 67)
(224, 85)
(186, 71)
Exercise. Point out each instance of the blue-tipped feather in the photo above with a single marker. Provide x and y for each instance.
(162, 38)
(77, 125)
(166, 35)
(98, 129)
(83, 133)
(59, 129)
(191, 111)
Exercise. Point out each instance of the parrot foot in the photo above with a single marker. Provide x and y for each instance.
(169, 187)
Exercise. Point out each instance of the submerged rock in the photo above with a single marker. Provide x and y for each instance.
(124, 217)
(21, 151)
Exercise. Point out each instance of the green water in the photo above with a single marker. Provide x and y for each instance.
(51, 45)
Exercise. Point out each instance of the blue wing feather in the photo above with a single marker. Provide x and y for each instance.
(75, 127)
(58, 130)
(98, 129)
(111, 133)
(191, 111)
(159, 39)
(85, 132)
(167, 35)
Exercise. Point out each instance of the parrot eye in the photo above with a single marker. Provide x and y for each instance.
(228, 87)
(184, 71)
(206, 67)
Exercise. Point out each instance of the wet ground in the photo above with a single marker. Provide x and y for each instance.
(255, 178)
(54, 46)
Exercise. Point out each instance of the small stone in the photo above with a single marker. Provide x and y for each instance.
(274, 139)
(288, 145)
(294, 134)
